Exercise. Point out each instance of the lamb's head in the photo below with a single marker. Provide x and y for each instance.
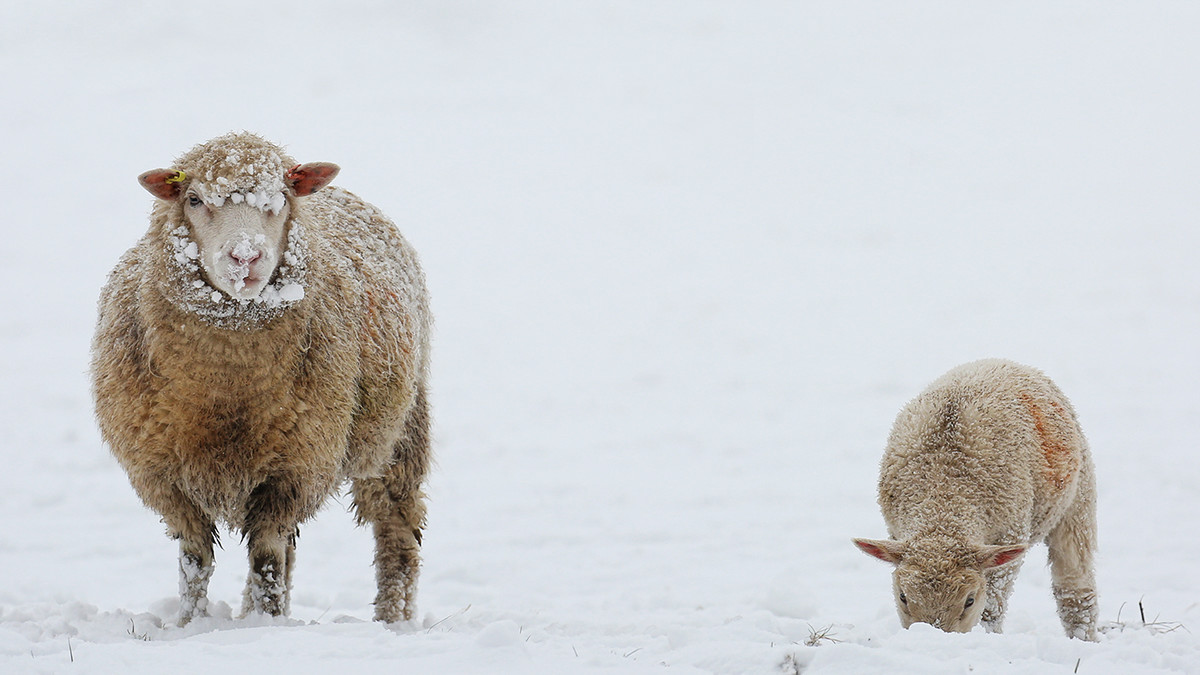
(940, 580)
(235, 195)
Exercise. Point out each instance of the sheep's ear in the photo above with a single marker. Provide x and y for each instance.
(884, 549)
(163, 183)
(995, 556)
(305, 179)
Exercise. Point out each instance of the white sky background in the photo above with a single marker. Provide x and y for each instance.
(687, 260)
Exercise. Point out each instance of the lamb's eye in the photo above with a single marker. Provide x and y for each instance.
(194, 200)
(970, 601)
(903, 599)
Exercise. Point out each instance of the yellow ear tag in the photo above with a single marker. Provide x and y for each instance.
(179, 177)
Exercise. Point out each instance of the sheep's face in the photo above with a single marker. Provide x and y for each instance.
(947, 597)
(240, 245)
(940, 580)
(238, 213)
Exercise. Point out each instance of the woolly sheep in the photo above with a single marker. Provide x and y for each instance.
(986, 461)
(265, 341)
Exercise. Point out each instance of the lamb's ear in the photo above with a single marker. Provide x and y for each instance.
(305, 179)
(884, 549)
(163, 183)
(995, 556)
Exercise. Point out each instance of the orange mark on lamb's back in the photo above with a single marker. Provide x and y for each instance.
(1060, 462)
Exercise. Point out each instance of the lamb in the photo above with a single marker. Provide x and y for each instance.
(986, 461)
(264, 342)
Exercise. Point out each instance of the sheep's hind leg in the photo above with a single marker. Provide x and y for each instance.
(398, 561)
(395, 506)
(1072, 572)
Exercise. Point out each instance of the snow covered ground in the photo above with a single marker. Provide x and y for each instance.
(688, 260)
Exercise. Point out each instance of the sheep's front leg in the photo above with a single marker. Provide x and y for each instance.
(197, 535)
(269, 582)
(271, 528)
(999, 587)
(195, 569)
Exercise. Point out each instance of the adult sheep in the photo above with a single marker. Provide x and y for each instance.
(265, 341)
(986, 461)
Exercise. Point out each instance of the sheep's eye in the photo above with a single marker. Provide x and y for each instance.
(193, 200)
(970, 601)
(903, 599)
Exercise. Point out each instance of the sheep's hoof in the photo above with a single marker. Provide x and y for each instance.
(186, 618)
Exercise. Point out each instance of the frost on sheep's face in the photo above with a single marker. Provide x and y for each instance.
(240, 243)
(240, 235)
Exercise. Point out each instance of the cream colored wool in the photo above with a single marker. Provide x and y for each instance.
(986, 461)
(252, 413)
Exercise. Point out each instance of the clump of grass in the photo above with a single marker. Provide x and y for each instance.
(816, 636)
(794, 663)
(133, 632)
(1154, 626)
(460, 612)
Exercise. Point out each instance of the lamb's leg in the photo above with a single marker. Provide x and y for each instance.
(999, 587)
(395, 506)
(271, 529)
(197, 535)
(1072, 553)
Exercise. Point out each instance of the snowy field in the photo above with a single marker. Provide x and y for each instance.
(688, 259)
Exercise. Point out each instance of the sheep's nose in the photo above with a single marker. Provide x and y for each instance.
(245, 257)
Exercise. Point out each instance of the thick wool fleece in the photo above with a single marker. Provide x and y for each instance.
(252, 415)
(991, 453)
